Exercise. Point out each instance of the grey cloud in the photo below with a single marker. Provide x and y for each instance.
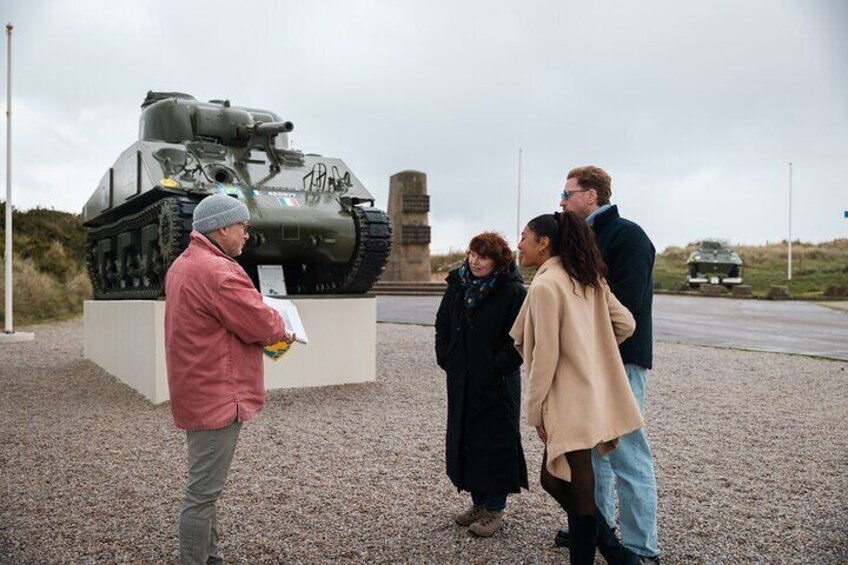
(695, 109)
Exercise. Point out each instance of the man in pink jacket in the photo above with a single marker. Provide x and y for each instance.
(215, 327)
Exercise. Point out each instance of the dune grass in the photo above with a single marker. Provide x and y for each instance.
(48, 274)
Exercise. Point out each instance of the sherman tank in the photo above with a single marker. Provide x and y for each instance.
(309, 214)
(714, 263)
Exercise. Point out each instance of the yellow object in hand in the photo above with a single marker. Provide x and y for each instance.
(276, 350)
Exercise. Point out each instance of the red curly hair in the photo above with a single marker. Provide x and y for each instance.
(492, 245)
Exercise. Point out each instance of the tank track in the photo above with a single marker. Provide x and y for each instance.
(140, 272)
(373, 245)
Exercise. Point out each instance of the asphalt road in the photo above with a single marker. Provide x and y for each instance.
(796, 327)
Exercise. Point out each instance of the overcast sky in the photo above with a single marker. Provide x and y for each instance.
(695, 109)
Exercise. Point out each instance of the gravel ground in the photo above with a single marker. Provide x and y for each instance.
(751, 451)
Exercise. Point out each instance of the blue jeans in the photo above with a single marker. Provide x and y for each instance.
(492, 502)
(630, 468)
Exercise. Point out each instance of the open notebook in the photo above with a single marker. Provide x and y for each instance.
(291, 318)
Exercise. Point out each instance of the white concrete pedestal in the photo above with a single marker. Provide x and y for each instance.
(127, 339)
(16, 337)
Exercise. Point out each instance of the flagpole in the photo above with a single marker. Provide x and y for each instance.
(789, 266)
(9, 334)
(518, 207)
(9, 179)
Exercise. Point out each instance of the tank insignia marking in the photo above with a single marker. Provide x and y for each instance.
(284, 194)
(286, 201)
(170, 183)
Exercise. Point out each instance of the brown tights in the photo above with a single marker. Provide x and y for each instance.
(577, 496)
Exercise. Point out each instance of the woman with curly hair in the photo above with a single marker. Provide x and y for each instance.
(483, 441)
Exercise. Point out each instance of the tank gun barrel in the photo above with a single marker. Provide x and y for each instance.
(262, 134)
(272, 128)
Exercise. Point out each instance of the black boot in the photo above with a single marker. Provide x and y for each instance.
(562, 538)
(584, 536)
(611, 548)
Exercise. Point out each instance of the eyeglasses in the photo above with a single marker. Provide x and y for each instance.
(566, 195)
(244, 225)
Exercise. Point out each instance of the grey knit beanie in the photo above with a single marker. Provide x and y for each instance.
(219, 211)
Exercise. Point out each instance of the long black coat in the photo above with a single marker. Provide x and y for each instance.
(483, 442)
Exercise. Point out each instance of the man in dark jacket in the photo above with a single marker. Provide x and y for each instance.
(629, 257)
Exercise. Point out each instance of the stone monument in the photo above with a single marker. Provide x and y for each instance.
(409, 206)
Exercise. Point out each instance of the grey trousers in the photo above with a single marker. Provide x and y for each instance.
(210, 453)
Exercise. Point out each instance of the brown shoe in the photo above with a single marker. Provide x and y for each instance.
(490, 523)
(471, 515)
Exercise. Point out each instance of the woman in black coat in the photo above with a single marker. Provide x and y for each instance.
(483, 442)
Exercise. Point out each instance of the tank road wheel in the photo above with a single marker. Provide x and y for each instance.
(314, 278)
(94, 262)
(127, 259)
(373, 245)
(150, 258)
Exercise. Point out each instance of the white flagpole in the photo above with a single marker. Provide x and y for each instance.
(9, 335)
(9, 179)
(518, 207)
(789, 267)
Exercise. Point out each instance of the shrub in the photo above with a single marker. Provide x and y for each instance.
(35, 295)
(79, 290)
(836, 291)
(39, 296)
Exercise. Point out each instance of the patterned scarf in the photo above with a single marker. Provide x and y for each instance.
(477, 289)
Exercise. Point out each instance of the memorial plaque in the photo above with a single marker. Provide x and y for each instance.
(416, 203)
(419, 235)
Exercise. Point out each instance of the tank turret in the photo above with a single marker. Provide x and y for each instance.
(309, 213)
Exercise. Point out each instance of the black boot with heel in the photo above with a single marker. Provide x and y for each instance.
(611, 548)
(584, 535)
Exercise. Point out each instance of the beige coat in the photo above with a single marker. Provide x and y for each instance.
(577, 385)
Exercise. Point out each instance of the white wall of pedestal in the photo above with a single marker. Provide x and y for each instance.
(127, 339)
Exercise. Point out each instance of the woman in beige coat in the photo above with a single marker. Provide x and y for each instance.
(578, 397)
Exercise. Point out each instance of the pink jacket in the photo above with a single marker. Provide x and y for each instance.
(215, 327)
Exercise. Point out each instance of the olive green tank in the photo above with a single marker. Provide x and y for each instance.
(308, 213)
(714, 263)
